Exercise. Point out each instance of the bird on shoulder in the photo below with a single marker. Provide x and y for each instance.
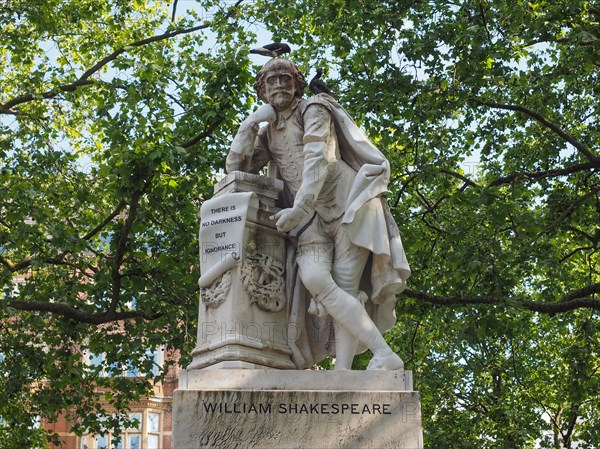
(317, 85)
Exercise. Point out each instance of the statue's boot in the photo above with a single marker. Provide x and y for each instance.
(348, 312)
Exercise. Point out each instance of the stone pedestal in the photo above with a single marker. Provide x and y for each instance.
(241, 389)
(243, 308)
(296, 409)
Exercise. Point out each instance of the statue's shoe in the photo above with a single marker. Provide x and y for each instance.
(390, 362)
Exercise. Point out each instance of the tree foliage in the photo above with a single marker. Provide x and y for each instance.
(488, 113)
(113, 118)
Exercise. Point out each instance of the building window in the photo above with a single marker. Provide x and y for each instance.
(101, 442)
(153, 422)
(134, 441)
(137, 416)
(118, 444)
(153, 429)
(154, 356)
(132, 371)
(146, 428)
(98, 362)
(152, 441)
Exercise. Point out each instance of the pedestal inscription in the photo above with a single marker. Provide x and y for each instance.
(222, 224)
(259, 409)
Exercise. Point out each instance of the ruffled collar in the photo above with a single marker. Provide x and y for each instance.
(284, 115)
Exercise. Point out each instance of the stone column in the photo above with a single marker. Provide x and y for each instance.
(243, 307)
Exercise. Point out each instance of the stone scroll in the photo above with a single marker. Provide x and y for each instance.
(222, 224)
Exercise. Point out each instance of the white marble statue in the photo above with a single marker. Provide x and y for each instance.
(348, 252)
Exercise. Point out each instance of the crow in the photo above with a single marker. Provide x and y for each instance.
(317, 85)
(274, 50)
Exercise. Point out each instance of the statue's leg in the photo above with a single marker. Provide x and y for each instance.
(346, 345)
(318, 257)
(348, 265)
(345, 310)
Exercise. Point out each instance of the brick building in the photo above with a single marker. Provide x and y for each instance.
(154, 414)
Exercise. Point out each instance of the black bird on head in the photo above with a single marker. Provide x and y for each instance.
(317, 85)
(274, 50)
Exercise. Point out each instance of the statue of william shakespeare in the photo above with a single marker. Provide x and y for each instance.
(348, 262)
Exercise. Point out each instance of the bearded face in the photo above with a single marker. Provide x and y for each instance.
(279, 89)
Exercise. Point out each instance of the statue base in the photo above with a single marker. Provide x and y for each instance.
(253, 408)
(242, 320)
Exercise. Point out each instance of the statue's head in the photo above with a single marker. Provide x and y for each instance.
(278, 82)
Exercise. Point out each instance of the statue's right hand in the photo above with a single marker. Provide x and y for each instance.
(244, 139)
(266, 113)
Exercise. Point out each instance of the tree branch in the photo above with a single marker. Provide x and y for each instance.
(543, 174)
(68, 311)
(582, 292)
(577, 299)
(431, 226)
(412, 342)
(59, 260)
(573, 252)
(583, 149)
(405, 185)
(463, 178)
(107, 220)
(573, 415)
(25, 263)
(8, 264)
(121, 248)
(208, 130)
(524, 388)
(485, 24)
(84, 80)
(594, 239)
(174, 14)
(570, 209)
